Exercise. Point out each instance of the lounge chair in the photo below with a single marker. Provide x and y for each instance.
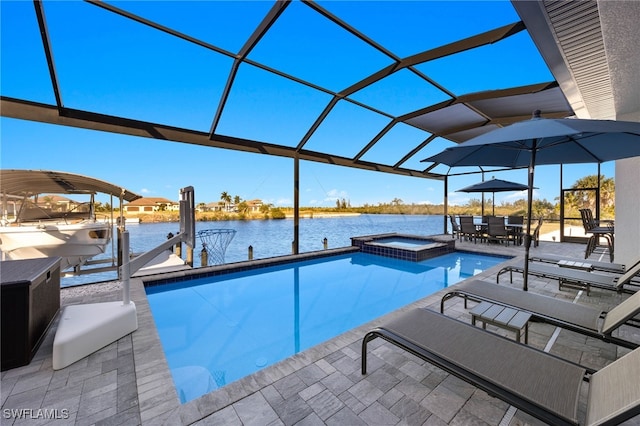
(570, 277)
(536, 382)
(616, 268)
(581, 319)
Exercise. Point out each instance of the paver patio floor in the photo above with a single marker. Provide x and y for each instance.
(128, 382)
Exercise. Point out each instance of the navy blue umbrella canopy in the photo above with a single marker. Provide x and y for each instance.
(545, 141)
(494, 185)
(554, 141)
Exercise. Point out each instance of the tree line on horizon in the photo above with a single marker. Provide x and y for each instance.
(582, 197)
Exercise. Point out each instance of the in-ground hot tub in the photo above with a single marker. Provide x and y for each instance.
(399, 246)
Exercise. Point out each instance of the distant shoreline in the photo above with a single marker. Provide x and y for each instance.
(173, 217)
(319, 215)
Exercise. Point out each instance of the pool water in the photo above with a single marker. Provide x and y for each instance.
(217, 330)
(403, 242)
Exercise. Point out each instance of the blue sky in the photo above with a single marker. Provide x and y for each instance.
(109, 65)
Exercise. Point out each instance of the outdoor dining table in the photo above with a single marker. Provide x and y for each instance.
(516, 230)
(481, 227)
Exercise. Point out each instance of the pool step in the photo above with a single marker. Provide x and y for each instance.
(84, 329)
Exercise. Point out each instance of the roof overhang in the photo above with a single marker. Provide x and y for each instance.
(592, 49)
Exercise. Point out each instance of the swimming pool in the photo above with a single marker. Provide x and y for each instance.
(217, 330)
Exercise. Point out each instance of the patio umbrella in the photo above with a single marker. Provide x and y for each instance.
(494, 185)
(545, 141)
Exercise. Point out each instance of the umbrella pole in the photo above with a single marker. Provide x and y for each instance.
(493, 203)
(527, 236)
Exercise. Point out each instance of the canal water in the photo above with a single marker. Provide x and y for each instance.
(270, 238)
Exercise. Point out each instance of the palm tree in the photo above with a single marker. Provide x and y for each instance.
(227, 199)
(236, 202)
(586, 198)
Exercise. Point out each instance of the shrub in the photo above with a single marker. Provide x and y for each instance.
(277, 214)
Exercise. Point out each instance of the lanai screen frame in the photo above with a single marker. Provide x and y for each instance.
(457, 119)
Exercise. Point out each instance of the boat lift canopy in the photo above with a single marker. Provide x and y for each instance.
(32, 182)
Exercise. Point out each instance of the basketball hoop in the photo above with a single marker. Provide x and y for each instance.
(215, 243)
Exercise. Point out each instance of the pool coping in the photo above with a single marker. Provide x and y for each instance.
(157, 396)
(247, 265)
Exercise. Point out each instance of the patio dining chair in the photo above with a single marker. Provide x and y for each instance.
(597, 231)
(497, 231)
(455, 228)
(515, 225)
(468, 229)
(515, 220)
(535, 236)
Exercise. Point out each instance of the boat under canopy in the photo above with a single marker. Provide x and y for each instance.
(75, 236)
(32, 182)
